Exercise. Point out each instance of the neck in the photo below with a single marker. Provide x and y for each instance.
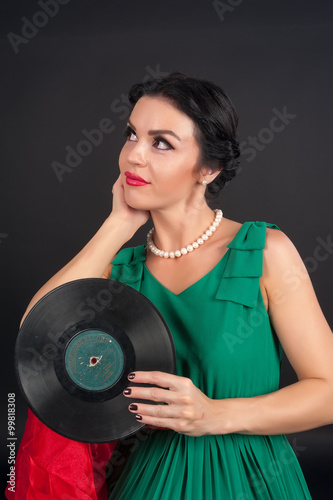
(174, 228)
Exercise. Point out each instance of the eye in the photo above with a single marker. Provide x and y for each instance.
(128, 133)
(161, 143)
(160, 140)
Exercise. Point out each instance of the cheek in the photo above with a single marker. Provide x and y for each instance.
(167, 181)
(178, 177)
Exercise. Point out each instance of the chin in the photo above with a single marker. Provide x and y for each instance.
(137, 204)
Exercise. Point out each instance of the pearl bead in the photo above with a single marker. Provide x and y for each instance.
(189, 248)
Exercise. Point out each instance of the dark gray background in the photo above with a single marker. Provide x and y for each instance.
(69, 76)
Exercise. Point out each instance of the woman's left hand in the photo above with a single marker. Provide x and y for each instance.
(187, 410)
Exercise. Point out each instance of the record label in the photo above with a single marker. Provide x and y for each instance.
(94, 360)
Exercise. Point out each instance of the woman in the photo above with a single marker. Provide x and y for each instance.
(226, 292)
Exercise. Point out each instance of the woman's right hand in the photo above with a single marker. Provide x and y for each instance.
(122, 211)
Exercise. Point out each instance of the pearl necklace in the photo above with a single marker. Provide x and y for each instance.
(183, 251)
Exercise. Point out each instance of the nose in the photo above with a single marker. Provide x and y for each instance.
(137, 154)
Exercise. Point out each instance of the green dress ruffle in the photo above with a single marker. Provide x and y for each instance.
(226, 345)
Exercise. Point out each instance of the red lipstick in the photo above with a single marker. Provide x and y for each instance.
(134, 180)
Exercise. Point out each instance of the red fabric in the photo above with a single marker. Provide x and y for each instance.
(51, 467)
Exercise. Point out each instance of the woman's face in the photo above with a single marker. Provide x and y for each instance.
(161, 149)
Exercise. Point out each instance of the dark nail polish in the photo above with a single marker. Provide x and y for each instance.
(138, 417)
(133, 407)
(127, 392)
(131, 376)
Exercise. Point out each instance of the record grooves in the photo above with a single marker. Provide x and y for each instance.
(75, 349)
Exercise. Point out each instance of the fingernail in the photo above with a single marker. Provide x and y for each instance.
(133, 407)
(127, 392)
(131, 376)
(138, 417)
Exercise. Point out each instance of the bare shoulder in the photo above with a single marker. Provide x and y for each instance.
(282, 262)
(279, 247)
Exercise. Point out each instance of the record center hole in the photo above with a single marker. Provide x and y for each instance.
(93, 361)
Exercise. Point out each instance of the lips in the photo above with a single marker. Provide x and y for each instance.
(135, 180)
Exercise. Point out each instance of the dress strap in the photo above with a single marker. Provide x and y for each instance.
(127, 266)
(241, 275)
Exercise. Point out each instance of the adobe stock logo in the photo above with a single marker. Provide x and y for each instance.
(3, 236)
(223, 7)
(277, 123)
(40, 19)
(94, 137)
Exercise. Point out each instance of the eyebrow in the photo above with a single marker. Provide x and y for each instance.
(154, 132)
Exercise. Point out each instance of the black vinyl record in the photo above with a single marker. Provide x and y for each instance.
(75, 349)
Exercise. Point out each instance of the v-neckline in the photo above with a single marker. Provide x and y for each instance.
(200, 279)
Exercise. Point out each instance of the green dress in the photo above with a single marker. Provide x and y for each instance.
(226, 345)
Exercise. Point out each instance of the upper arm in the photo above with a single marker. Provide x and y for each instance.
(294, 310)
(107, 272)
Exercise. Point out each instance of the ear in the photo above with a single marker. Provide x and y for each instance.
(208, 174)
